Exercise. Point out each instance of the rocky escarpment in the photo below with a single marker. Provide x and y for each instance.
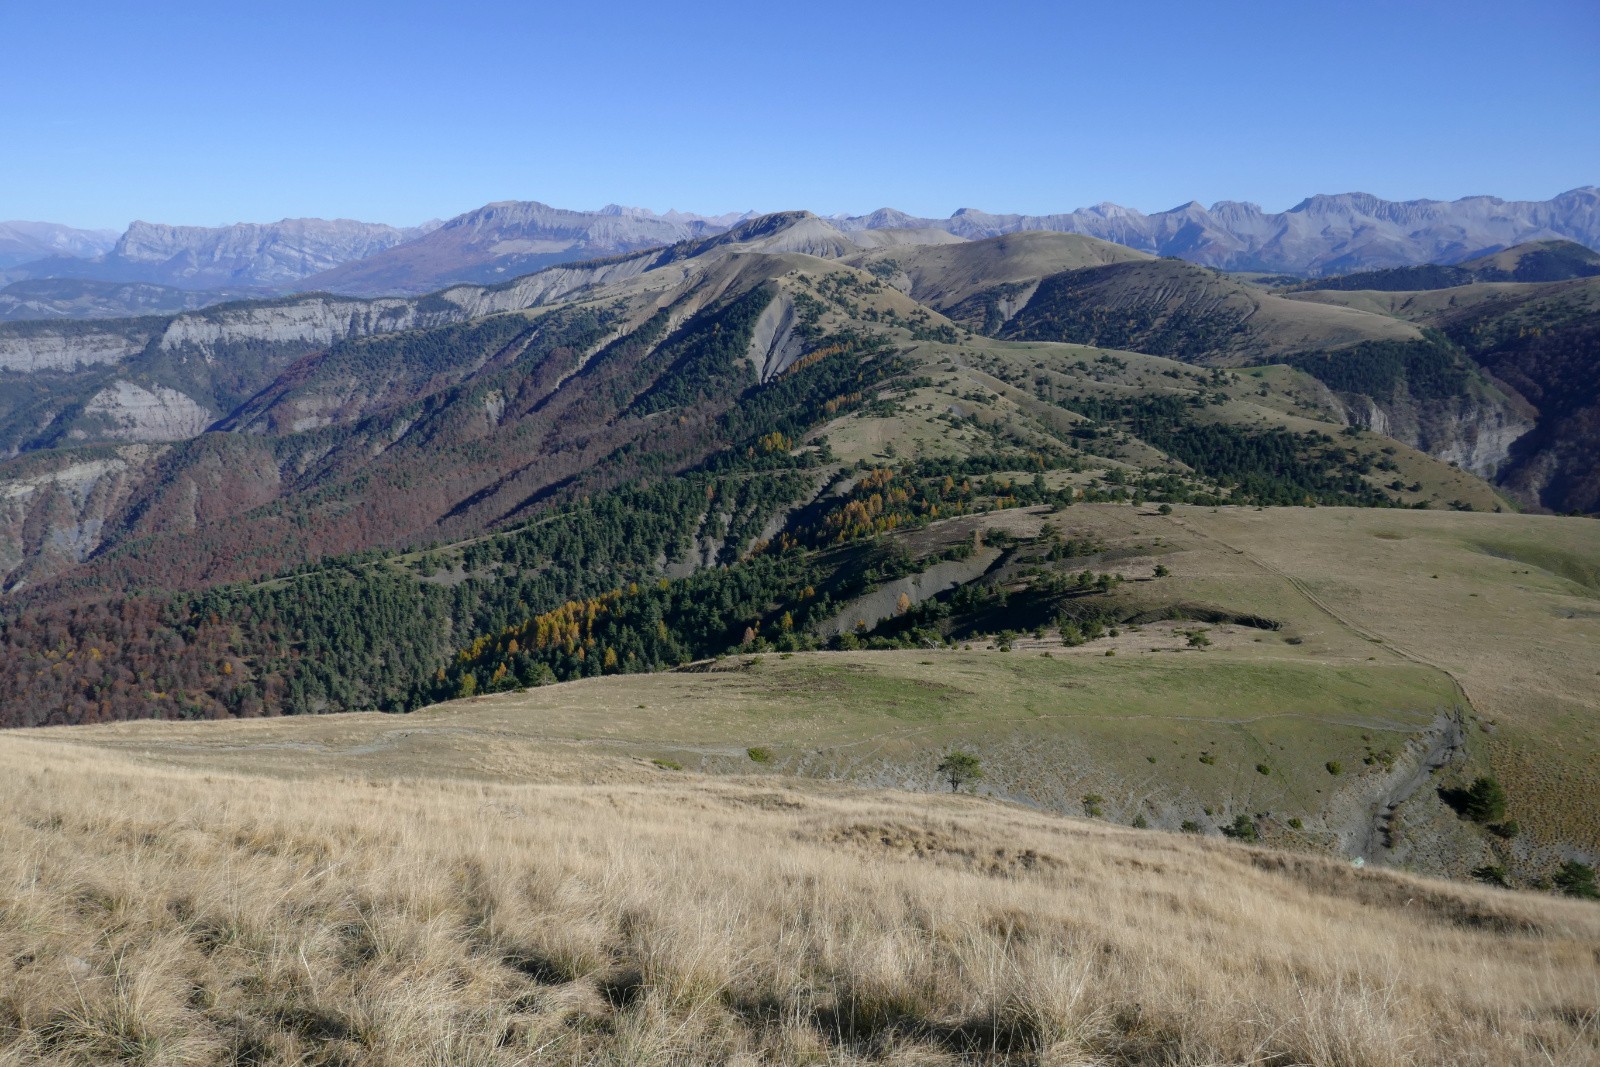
(54, 512)
(56, 346)
(317, 319)
(1475, 432)
(278, 253)
(775, 343)
(124, 411)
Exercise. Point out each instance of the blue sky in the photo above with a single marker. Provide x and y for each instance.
(207, 113)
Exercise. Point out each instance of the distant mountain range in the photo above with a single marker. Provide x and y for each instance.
(499, 241)
(26, 242)
(1319, 237)
(271, 256)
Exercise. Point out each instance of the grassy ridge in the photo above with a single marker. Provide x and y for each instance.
(161, 915)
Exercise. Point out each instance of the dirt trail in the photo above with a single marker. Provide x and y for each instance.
(1448, 743)
(1327, 609)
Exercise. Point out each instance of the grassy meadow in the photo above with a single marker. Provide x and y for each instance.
(158, 914)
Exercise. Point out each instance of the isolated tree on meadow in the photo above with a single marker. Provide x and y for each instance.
(1485, 800)
(960, 768)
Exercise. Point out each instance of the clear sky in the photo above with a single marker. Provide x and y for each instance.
(209, 113)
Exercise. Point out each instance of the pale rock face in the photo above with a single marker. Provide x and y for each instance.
(309, 320)
(54, 519)
(53, 349)
(774, 345)
(75, 480)
(1473, 432)
(133, 413)
(494, 408)
(1477, 439)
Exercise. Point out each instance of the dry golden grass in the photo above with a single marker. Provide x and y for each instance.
(162, 915)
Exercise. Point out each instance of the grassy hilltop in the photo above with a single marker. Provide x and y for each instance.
(234, 893)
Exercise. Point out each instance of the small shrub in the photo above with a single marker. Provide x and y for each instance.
(1577, 879)
(1140, 822)
(1508, 829)
(668, 764)
(1165, 509)
(1296, 824)
(1191, 827)
(1243, 828)
(1207, 758)
(1151, 759)
(1484, 801)
(1262, 768)
(1162, 571)
(1334, 767)
(1493, 874)
(1093, 805)
(759, 754)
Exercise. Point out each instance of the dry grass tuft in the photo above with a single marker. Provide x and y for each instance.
(160, 916)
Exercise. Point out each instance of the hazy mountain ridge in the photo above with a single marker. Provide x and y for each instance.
(268, 256)
(319, 362)
(153, 379)
(91, 298)
(23, 242)
(318, 318)
(1532, 261)
(1320, 235)
(157, 379)
(490, 244)
(507, 238)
